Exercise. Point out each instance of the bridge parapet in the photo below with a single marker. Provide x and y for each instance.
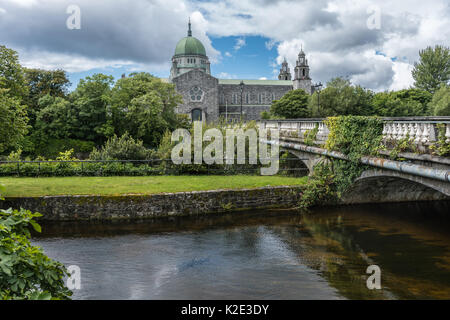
(422, 130)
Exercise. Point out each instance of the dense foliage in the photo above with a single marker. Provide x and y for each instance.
(123, 148)
(292, 105)
(403, 103)
(355, 137)
(440, 104)
(433, 69)
(40, 116)
(13, 121)
(340, 97)
(25, 271)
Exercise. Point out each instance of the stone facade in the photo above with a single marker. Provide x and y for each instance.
(196, 84)
(207, 98)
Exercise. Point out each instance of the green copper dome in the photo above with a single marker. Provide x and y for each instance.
(190, 45)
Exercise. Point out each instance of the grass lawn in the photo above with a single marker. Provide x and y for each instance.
(29, 187)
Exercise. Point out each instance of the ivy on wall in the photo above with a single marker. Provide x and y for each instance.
(355, 137)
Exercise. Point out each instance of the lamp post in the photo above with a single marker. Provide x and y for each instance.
(318, 87)
(241, 86)
(226, 111)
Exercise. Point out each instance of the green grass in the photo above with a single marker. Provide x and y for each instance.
(32, 187)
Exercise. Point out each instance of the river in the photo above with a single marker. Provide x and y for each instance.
(276, 254)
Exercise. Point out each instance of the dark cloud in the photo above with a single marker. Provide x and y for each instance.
(140, 31)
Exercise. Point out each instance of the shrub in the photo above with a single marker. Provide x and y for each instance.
(123, 148)
(26, 273)
(53, 147)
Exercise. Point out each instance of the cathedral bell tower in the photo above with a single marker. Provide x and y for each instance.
(302, 79)
(285, 72)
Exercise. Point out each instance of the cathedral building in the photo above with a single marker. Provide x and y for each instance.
(207, 98)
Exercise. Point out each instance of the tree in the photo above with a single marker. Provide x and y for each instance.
(403, 103)
(11, 73)
(292, 105)
(56, 117)
(13, 121)
(41, 83)
(144, 106)
(433, 69)
(440, 104)
(340, 97)
(91, 102)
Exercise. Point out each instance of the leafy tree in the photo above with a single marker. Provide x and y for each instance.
(41, 83)
(340, 97)
(433, 69)
(403, 103)
(123, 148)
(11, 73)
(292, 105)
(440, 104)
(56, 117)
(13, 121)
(25, 271)
(145, 106)
(91, 103)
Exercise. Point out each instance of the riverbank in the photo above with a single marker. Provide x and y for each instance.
(116, 186)
(134, 207)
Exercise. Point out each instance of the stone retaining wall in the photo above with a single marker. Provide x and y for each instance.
(68, 208)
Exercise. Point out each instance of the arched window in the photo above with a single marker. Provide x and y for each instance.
(196, 115)
(247, 98)
(304, 72)
(261, 98)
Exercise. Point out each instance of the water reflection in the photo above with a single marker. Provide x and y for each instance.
(262, 255)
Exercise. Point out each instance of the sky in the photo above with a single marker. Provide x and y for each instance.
(372, 43)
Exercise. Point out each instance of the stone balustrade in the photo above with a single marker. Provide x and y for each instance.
(422, 130)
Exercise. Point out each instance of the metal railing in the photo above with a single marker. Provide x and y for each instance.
(83, 168)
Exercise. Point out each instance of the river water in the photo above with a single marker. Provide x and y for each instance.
(262, 255)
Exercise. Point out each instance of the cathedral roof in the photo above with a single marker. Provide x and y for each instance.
(190, 45)
(257, 82)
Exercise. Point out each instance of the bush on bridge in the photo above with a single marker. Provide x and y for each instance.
(355, 137)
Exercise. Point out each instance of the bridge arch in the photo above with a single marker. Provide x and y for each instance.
(388, 186)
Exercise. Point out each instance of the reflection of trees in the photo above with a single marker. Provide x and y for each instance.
(325, 245)
(410, 267)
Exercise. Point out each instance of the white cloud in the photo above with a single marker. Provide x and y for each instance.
(270, 44)
(227, 54)
(239, 44)
(403, 78)
(225, 75)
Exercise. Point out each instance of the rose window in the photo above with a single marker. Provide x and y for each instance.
(196, 94)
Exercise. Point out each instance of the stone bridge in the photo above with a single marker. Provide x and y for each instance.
(420, 177)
